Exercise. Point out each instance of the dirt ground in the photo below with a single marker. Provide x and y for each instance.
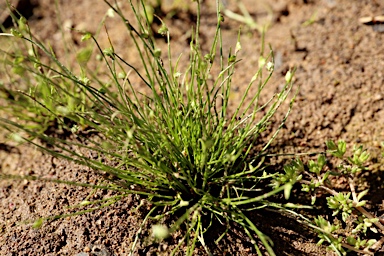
(340, 78)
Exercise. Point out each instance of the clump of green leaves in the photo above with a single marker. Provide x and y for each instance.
(175, 142)
(351, 233)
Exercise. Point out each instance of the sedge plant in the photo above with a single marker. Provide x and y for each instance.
(175, 142)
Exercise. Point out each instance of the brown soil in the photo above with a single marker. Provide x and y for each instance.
(339, 75)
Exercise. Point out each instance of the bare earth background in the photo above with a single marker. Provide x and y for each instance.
(340, 79)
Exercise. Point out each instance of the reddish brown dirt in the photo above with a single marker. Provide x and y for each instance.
(339, 74)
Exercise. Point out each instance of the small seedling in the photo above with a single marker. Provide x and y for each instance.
(352, 235)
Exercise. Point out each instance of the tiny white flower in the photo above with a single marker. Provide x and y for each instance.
(177, 75)
(160, 231)
(16, 137)
(270, 66)
(110, 13)
(75, 129)
(288, 76)
(121, 75)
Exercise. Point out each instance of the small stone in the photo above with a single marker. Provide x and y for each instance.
(378, 97)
